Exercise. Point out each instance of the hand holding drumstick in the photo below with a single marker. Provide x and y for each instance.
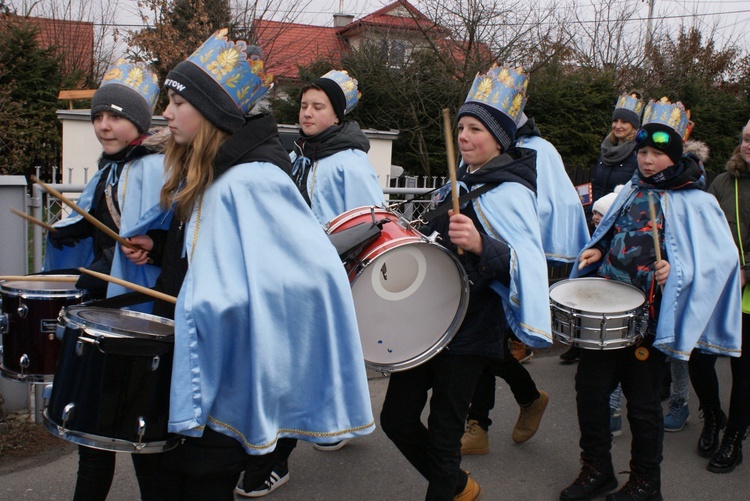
(589, 256)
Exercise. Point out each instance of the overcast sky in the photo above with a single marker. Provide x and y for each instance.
(732, 17)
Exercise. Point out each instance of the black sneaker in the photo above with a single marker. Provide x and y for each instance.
(638, 488)
(591, 482)
(279, 476)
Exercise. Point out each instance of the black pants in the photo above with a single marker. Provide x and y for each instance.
(96, 469)
(706, 384)
(207, 468)
(519, 380)
(435, 450)
(597, 376)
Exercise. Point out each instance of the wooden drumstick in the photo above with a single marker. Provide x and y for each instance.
(654, 230)
(34, 220)
(41, 278)
(88, 217)
(451, 162)
(131, 285)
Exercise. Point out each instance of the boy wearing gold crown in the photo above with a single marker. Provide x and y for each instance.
(129, 170)
(499, 234)
(692, 293)
(266, 338)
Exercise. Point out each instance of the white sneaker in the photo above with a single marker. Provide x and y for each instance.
(333, 446)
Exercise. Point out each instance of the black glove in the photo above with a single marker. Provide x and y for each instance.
(96, 287)
(69, 235)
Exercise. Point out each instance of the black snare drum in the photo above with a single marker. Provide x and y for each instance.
(28, 320)
(111, 388)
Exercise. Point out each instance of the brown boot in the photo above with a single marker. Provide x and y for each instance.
(529, 418)
(472, 492)
(474, 440)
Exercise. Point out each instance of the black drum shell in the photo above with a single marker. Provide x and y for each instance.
(32, 336)
(112, 382)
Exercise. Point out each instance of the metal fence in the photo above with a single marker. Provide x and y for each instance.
(408, 196)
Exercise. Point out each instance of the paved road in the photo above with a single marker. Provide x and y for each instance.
(371, 468)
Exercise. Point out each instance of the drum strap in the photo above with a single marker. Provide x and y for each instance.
(466, 197)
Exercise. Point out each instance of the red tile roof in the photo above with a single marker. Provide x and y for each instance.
(385, 18)
(289, 45)
(72, 40)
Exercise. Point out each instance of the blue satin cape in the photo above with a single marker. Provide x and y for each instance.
(266, 338)
(340, 182)
(563, 221)
(701, 302)
(509, 213)
(138, 197)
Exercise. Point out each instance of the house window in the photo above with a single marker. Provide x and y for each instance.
(394, 52)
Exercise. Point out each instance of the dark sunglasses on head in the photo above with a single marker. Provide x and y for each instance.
(660, 139)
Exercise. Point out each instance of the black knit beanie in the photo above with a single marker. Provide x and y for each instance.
(335, 94)
(206, 95)
(123, 101)
(501, 126)
(628, 116)
(673, 149)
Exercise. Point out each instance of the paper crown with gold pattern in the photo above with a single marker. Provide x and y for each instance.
(348, 87)
(497, 98)
(128, 89)
(673, 115)
(221, 81)
(629, 108)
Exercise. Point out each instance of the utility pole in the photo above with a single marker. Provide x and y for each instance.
(648, 23)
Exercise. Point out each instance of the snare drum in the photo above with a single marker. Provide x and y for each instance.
(29, 316)
(112, 382)
(410, 294)
(597, 313)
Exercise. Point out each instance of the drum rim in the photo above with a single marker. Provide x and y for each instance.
(101, 442)
(339, 220)
(71, 292)
(97, 329)
(446, 338)
(617, 283)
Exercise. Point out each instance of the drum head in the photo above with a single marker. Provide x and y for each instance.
(47, 287)
(410, 302)
(598, 295)
(119, 323)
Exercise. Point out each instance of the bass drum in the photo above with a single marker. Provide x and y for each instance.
(28, 321)
(112, 382)
(410, 293)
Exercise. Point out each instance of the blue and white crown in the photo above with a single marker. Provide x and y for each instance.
(672, 115)
(244, 80)
(348, 86)
(501, 88)
(137, 76)
(630, 102)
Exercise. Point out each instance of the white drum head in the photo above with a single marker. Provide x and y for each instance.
(598, 295)
(410, 301)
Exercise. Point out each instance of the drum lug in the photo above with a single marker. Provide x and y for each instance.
(4, 323)
(79, 348)
(24, 361)
(434, 237)
(141, 431)
(155, 363)
(22, 310)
